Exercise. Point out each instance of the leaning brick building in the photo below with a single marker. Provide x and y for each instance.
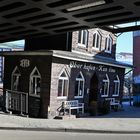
(81, 67)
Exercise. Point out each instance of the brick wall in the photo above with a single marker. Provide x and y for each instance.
(59, 65)
(90, 49)
(136, 56)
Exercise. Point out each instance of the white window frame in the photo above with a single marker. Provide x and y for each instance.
(79, 80)
(108, 44)
(105, 80)
(94, 43)
(16, 82)
(116, 86)
(31, 81)
(81, 44)
(63, 80)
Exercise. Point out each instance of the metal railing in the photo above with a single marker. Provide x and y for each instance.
(16, 101)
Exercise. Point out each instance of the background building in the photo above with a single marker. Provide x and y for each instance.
(127, 58)
(136, 63)
(9, 46)
(6, 47)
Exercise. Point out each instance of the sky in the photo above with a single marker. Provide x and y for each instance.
(13, 44)
(125, 43)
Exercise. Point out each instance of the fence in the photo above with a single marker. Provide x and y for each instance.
(17, 101)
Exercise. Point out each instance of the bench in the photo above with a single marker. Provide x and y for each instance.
(115, 104)
(73, 104)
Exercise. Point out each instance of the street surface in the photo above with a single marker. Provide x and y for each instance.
(38, 135)
(126, 120)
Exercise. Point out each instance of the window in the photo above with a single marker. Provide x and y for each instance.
(63, 85)
(35, 81)
(97, 41)
(83, 38)
(15, 80)
(116, 86)
(79, 86)
(105, 87)
(108, 44)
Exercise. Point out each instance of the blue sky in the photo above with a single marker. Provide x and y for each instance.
(125, 42)
(13, 44)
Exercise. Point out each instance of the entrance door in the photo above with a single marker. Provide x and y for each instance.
(93, 94)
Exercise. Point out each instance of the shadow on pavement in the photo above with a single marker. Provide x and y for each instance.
(127, 112)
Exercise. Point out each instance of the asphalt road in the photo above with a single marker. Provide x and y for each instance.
(38, 135)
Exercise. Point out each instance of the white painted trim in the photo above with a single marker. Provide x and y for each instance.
(14, 74)
(63, 78)
(36, 76)
(83, 80)
(34, 95)
(108, 81)
(117, 81)
(115, 95)
(97, 33)
(81, 45)
(78, 97)
(62, 97)
(86, 39)
(35, 69)
(104, 95)
(109, 46)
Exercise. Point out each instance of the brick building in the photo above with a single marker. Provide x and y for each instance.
(82, 67)
(136, 71)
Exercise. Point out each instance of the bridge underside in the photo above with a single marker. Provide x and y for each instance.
(20, 19)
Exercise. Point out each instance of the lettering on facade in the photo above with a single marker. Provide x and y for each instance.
(88, 67)
(112, 70)
(75, 65)
(24, 63)
(102, 68)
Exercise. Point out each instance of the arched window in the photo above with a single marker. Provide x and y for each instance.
(15, 80)
(83, 38)
(108, 44)
(35, 81)
(116, 86)
(63, 85)
(79, 86)
(105, 86)
(97, 38)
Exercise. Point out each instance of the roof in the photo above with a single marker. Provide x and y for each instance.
(98, 59)
(70, 56)
(21, 19)
(126, 53)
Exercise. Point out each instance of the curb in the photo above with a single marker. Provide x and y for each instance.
(71, 130)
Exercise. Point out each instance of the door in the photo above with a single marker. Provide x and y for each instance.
(93, 94)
